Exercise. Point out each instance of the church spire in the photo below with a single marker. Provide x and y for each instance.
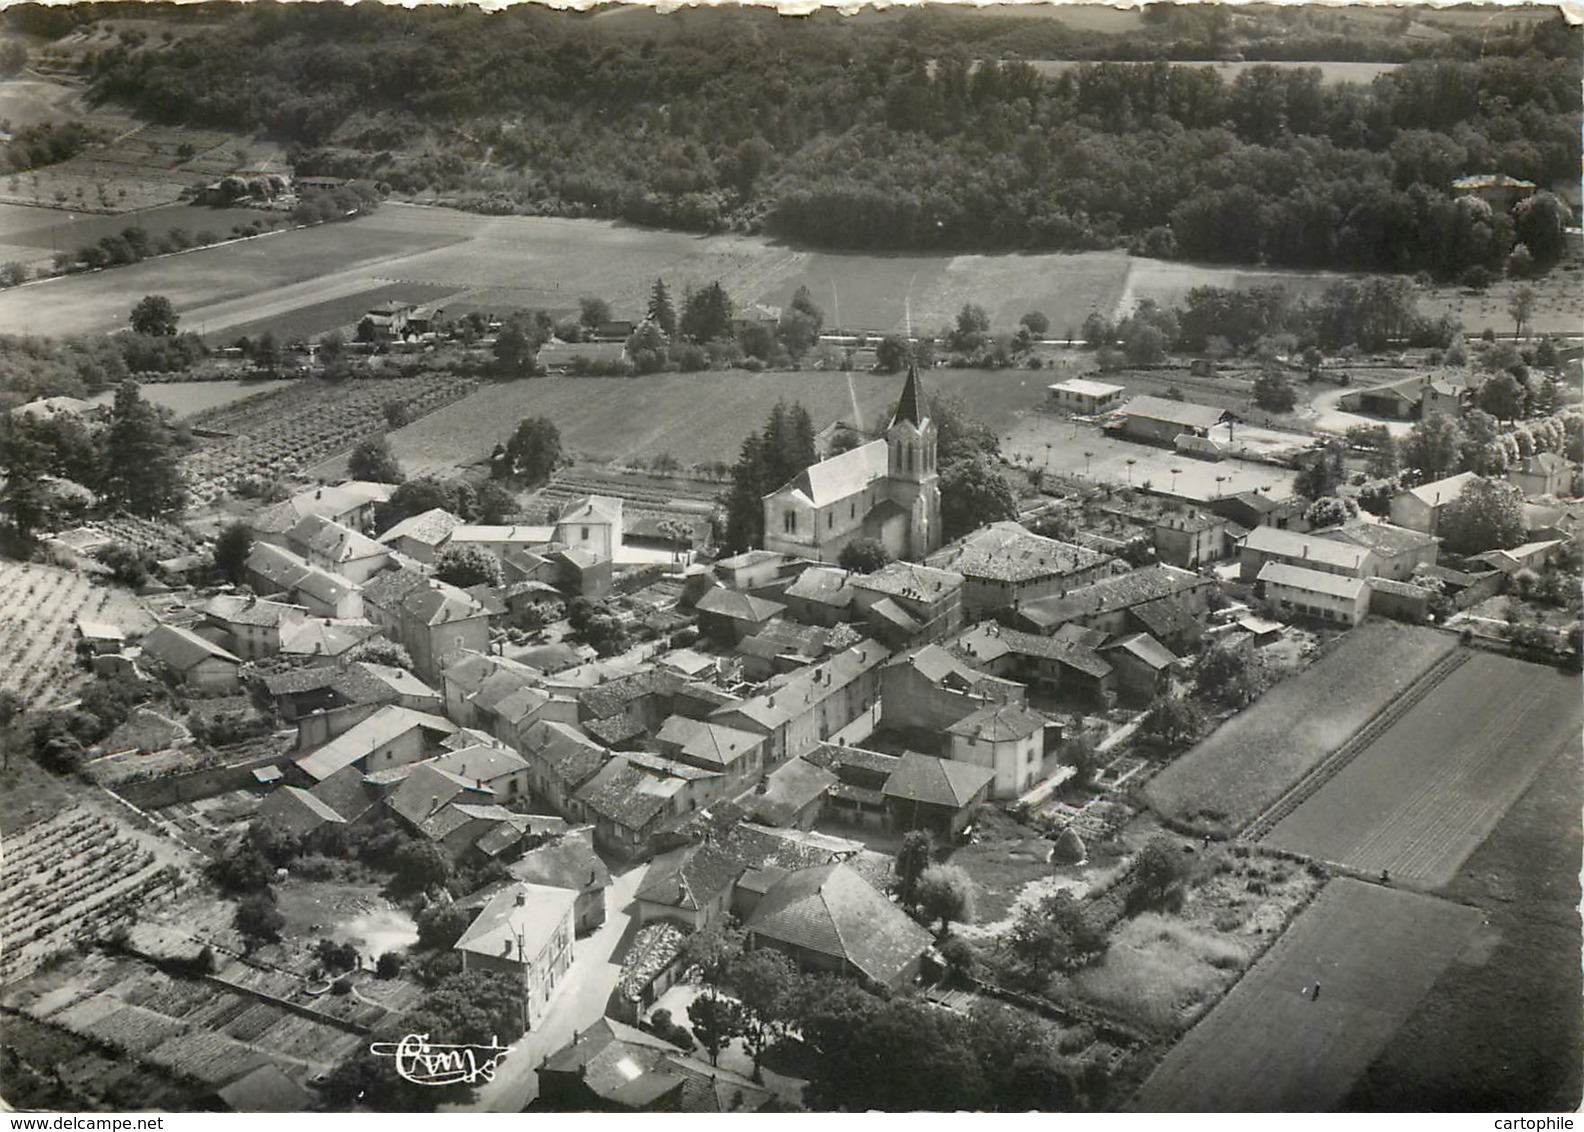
(911, 407)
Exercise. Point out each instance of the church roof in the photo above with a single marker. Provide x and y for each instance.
(911, 407)
(835, 479)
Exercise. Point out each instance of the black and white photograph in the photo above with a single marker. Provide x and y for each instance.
(926, 558)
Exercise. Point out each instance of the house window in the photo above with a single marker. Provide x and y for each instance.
(852, 510)
(830, 520)
(789, 523)
(585, 534)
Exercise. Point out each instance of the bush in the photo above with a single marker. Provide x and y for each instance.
(390, 965)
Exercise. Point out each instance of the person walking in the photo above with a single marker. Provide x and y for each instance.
(1315, 994)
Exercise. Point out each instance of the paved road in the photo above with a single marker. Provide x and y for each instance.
(578, 1004)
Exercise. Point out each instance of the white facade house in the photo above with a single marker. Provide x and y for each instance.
(1301, 592)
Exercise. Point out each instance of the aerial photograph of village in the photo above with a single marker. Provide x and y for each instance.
(928, 558)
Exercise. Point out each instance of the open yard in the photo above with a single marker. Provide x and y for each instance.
(1425, 793)
(1247, 763)
(1500, 1030)
(1273, 1046)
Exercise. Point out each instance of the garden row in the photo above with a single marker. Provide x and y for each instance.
(37, 619)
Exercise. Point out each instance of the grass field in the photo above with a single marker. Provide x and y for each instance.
(698, 418)
(1424, 794)
(1501, 1030)
(1270, 1047)
(1160, 971)
(343, 313)
(187, 398)
(51, 229)
(1248, 762)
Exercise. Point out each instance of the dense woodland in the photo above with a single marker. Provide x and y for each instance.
(901, 132)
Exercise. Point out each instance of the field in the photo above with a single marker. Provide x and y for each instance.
(39, 607)
(1500, 1030)
(508, 262)
(1270, 1047)
(343, 313)
(1425, 793)
(698, 418)
(1247, 763)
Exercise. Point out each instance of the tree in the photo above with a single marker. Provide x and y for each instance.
(800, 324)
(332, 346)
(592, 311)
(418, 865)
(974, 493)
(267, 351)
(534, 450)
(915, 855)
(141, 473)
(1054, 933)
(1432, 446)
(1035, 323)
(517, 344)
(959, 435)
(715, 1021)
(766, 984)
(863, 556)
(1521, 305)
(258, 919)
(1159, 870)
(373, 459)
(945, 893)
(1226, 675)
(1330, 511)
(426, 493)
(495, 504)
(25, 460)
(231, 549)
(707, 315)
(155, 316)
(1323, 473)
(661, 312)
(1488, 515)
(13, 273)
(971, 330)
(468, 566)
(1502, 397)
(1172, 720)
(440, 925)
(892, 353)
(1273, 392)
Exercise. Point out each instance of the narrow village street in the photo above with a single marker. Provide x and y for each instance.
(579, 1003)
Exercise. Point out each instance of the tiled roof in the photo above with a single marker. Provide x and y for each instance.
(347, 793)
(614, 730)
(629, 1069)
(1146, 648)
(1122, 592)
(692, 877)
(342, 499)
(1443, 490)
(387, 589)
(1384, 539)
(236, 610)
(1183, 413)
(823, 585)
(182, 649)
(428, 789)
(1165, 618)
(322, 636)
(836, 757)
(722, 602)
(291, 810)
(335, 542)
(936, 782)
(429, 527)
(789, 788)
(1299, 578)
(710, 744)
(987, 643)
(1314, 548)
(1086, 388)
(627, 795)
(519, 535)
(833, 911)
(849, 473)
(567, 862)
(592, 509)
(295, 681)
(806, 688)
(382, 727)
(613, 696)
(910, 580)
(516, 931)
(480, 763)
(999, 723)
(1007, 552)
(571, 756)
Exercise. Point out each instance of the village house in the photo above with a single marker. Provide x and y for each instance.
(1004, 565)
(570, 862)
(1006, 739)
(525, 931)
(561, 760)
(820, 595)
(324, 640)
(1395, 552)
(738, 756)
(1498, 190)
(906, 604)
(929, 689)
(1301, 592)
(792, 795)
(272, 571)
(99, 638)
(613, 1067)
(495, 768)
(837, 699)
(632, 796)
(500, 541)
(887, 490)
(1065, 663)
(390, 318)
(1189, 539)
(727, 616)
(691, 886)
(351, 504)
(1419, 508)
(1250, 509)
(829, 919)
(1311, 551)
(254, 628)
(418, 792)
(751, 570)
(856, 797)
(420, 536)
(937, 795)
(1412, 398)
(592, 524)
(340, 550)
(432, 620)
(295, 812)
(389, 737)
(1542, 474)
(1106, 604)
(189, 659)
(1142, 665)
(1084, 397)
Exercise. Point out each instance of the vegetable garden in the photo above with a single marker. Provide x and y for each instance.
(39, 608)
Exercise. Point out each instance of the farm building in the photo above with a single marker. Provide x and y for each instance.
(752, 569)
(820, 595)
(726, 616)
(392, 736)
(323, 640)
(1107, 603)
(1143, 665)
(1313, 552)
(1004, 565)
(254, 627)
(1412, 398)
(99, 638)
(294, 811)
(930, 689)
(525, 931)
(829, 918)
(1067, 661)
(1396, 552)
(420, 536)
(938, 795)
(1419, 508)
(1157, 420)
(1085, 397)
(887, 490)
(791, 795)
(1302, 592)
(192, 660)
(391, 317)
(1006, 739)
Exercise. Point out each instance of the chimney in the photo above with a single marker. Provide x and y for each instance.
(319, 493)
(522, 898)
(506, 947)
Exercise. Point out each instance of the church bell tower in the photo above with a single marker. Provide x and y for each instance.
(911, 478)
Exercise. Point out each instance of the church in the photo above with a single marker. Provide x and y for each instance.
(886, 490)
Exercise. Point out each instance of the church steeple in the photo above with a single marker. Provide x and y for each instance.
(911, 407)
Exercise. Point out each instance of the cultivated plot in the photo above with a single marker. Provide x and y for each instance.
(1251, 760)
(1273, 1045)
(1423, 795)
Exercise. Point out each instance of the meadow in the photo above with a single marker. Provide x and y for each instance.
(188, 398)
(1247, 763)
(1271, 1047)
